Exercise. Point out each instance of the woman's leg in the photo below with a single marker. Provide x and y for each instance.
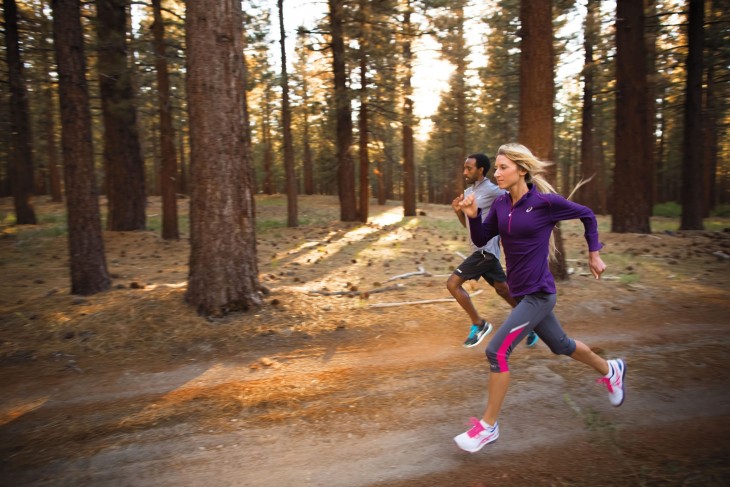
(584, 354)
(613, 372)
(552, 333)
(496, 390)
(530, 310)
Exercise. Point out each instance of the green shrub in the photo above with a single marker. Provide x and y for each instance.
(721, 211)
(670, 209)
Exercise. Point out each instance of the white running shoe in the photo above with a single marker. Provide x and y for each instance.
(614, 381)
(479, 435)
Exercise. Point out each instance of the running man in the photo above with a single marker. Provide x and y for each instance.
(484, 261)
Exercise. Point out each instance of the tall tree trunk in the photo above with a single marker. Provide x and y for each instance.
(409, 162)
(49, 115)
(602, 175)
(268, 186)
(588, 164)
(460, 99)
(537, 93)
(89, 273)
(307, 163)
(345, 169)
(364, 156)
(168, 172)
(183, 188)
(715, 36)
(381, 184)
(306, 138)
(223, 273)
(388, 179)
(652, 77)
(662, 188)
(363, 152)
(20, 135)
(711, 140)
(631, 198)
(123, 162)
(291, 178)
(692, 167)
(247, 142)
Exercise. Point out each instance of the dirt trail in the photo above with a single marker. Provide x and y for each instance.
(396, 429)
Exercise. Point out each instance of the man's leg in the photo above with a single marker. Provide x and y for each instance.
(455, 286)
(479, 328)
(503, 290)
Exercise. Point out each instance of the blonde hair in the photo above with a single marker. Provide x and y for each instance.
(526, 160)
(535, 168)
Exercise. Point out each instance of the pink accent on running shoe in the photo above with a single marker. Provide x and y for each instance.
(476, 429)
(616, 377)
(607, 381)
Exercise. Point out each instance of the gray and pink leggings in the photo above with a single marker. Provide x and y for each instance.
(534, 312)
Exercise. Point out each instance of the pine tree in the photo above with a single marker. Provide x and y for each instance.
(22, 176)
(632, 202)
(89, 273)
(223, 267)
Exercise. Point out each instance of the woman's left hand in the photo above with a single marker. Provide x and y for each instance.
(596, 264)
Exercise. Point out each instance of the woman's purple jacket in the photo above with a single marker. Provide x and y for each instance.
(525, 232)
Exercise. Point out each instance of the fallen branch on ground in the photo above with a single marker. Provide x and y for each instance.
(357, 293)
(427, 301)
(421, 272)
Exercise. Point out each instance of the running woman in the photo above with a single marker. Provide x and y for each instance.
(483, 261)
(524, 218)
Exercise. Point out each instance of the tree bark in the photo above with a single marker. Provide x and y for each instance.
(223, 273)
(409, 164)
(650, 35)
(631, 207)
(49, 115)
(693, 203)
(89, 273)
(345, 169)
(21, 140)
(307, 163)
(711, 146)
(268, 184)
(168, 171)
(290, 175)
(460, 99)
(363, 152)
(537, 93)
(125, 184)
(588, 164)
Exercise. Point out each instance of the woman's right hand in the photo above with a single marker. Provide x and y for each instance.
(469, 206)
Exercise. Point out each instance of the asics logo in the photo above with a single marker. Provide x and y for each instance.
(528, 210)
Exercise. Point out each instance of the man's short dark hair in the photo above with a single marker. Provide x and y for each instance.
(482, 161)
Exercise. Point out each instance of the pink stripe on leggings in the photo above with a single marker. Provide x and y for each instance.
(508, 341)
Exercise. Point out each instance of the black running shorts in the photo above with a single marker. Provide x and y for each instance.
(481, 264)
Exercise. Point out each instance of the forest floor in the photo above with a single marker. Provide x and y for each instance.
(130, 387)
